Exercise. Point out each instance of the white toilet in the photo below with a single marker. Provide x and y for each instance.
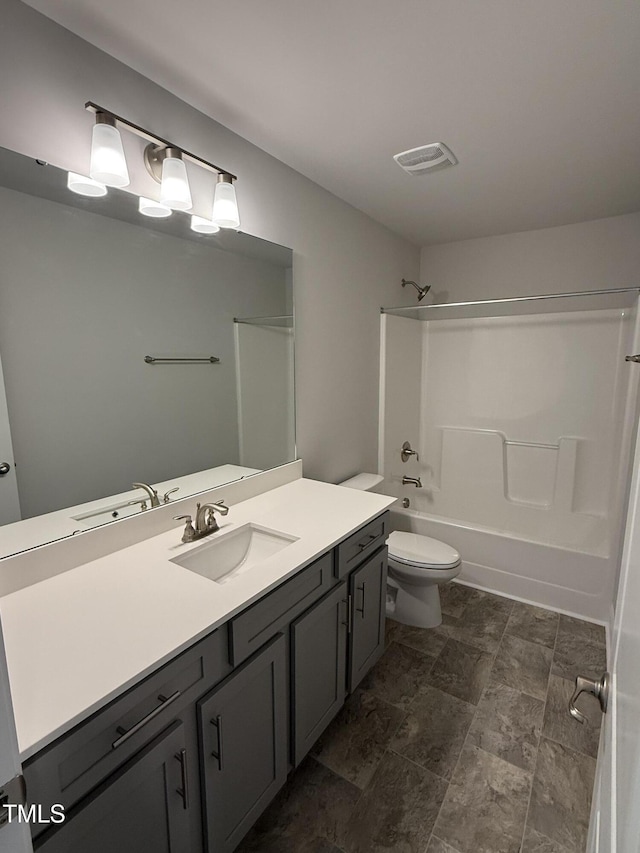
(417, 564)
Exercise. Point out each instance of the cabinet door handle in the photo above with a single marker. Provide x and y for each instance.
(125, 734)
(347, 602)
(217, 722)
(361, 609)
(184, 791)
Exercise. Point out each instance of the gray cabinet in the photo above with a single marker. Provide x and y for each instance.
(187, 759)
(145, 806)
(243, 734)
(319, 656)
(367, 590)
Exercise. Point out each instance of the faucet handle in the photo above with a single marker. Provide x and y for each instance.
(189, 532)
(165, 499)
(223, 509)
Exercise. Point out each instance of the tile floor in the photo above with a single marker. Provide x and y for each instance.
(458, 741)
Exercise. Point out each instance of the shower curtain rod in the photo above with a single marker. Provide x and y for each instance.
(513, 299)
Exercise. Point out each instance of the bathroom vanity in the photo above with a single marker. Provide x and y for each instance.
(184, 702)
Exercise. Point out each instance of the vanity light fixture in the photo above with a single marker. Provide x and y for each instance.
(83, 185)
(150, 207)
(225, 204)
(165, 162)
(203, 226)
(167, 166)
(108, 163)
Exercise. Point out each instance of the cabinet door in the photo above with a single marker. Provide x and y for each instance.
(144, 806)
(243, 728)
(368, 591)
(319, 653)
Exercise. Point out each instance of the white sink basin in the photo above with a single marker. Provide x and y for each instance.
(225, 556)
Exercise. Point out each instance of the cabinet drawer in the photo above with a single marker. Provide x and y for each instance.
(77, 762)
(362, 544)
(264, 619)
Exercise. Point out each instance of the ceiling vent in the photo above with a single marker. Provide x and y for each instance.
(426, 158)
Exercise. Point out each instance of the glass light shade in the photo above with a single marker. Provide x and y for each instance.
(203, 226)
(225, 206)
(150, 207)
(174, 189)
(85, 186)
(108, 164)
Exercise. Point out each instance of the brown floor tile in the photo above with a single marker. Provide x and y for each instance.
(399, 675)
(397, 811)
(455, 597)
(433, 731)
(429, 641)
(561, 795)
(485, 806)
(536, 842)
(355, 742)
(314, 806)
(483, 622)
(524, 666)
(436, 845)
(589, 632)
(508, 724)
(462, 671)
(533, 624)
(575, 656)
(560, 726)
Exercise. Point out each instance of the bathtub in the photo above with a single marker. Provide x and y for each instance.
(565, 579)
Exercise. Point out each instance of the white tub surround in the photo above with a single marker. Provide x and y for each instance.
(79, 639)
(522, 422)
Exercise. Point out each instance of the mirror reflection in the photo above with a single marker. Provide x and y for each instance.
(131, 351)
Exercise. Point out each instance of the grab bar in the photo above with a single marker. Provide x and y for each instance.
(153, 359)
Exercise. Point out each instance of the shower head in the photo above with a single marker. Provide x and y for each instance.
(422, 291)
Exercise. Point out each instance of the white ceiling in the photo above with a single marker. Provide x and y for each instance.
(538, 100)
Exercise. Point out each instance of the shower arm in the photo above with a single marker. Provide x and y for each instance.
(422, 291)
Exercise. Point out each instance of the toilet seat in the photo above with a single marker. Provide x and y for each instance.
(421, 552)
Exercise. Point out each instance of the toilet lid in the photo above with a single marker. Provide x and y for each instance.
(416, 550)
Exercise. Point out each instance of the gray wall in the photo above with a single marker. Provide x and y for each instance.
(83, 298)
(603, 253)
(345, 265)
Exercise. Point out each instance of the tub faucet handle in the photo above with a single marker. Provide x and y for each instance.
(406, 452)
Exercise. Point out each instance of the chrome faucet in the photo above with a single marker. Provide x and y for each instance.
(412, 481)
(206, 522)
(153, 495)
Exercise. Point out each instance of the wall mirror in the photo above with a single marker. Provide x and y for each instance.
(131, 350)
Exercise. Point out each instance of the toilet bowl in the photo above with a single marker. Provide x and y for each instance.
(417, 565)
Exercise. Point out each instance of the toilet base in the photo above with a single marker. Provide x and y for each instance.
(418, 606)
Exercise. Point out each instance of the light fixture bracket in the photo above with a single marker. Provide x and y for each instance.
(154, 157)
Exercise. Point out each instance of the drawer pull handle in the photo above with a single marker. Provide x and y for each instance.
(217, 722)
(362, 545)
(361, 609)
(184, 791)
(125, 734)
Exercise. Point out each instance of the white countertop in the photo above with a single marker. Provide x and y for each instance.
(79, 639)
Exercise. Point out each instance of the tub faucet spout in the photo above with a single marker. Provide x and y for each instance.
(412, 481)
